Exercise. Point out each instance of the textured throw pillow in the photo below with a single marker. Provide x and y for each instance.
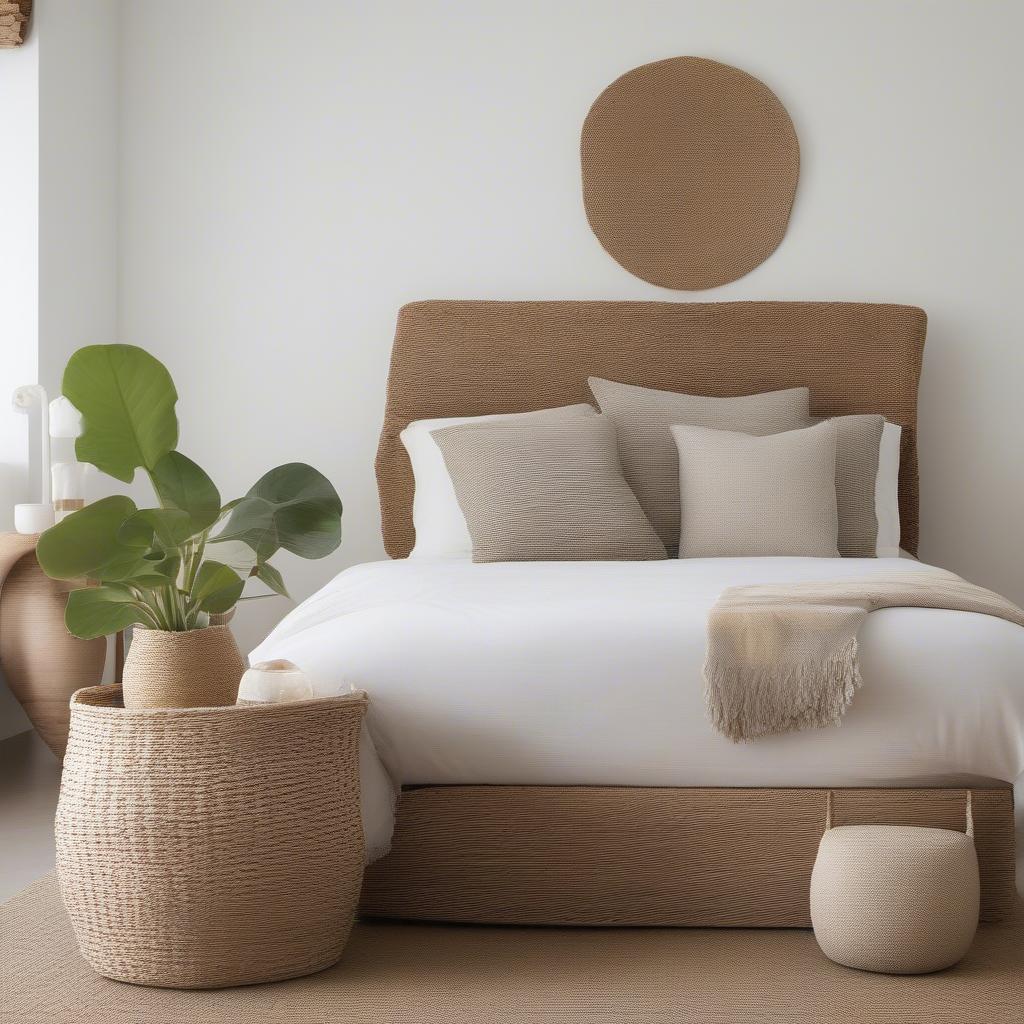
(441, 530)
(858, 456)
(534, 492)
(887, 492)
(858, 440)
(643, 419)
(747, 495)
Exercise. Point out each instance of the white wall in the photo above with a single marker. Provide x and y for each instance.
(19, 288)
(78, 168)
(19, 262)
(290, 177)
(58, 265)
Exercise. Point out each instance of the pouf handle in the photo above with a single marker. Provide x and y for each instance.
(969, 811)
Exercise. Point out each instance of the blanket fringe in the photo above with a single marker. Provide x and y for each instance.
(746, 702)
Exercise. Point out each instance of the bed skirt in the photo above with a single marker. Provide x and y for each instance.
(590, 855)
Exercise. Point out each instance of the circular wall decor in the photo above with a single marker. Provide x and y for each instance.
(689, 172)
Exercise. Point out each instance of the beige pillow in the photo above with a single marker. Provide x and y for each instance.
(746, 495)
(440, 526)
(534, 492)
(643, 418)
(858, 440)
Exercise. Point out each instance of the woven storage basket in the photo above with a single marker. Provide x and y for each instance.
(896, 899)
(201, 848)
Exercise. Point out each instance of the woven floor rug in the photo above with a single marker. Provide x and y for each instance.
(449, 974)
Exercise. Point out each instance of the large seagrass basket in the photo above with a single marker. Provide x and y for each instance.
(207, 847)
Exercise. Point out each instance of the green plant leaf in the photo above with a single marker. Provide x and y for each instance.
(86, 540)
(100, 611)
(273, 579)
(251, 522)
(158, 569)
(124, 566)
(294, 507)
(181, 484)
(217, 588)
(126, 398)
(160, 528)
(238, 555)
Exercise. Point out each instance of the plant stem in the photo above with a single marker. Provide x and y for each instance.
(195, 560)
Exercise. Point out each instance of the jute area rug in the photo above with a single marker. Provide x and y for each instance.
(429, 974)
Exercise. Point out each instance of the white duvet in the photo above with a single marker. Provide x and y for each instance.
(590, 673)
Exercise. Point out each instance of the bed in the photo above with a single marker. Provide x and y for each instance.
(545, 720)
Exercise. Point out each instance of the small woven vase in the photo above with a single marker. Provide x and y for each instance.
(200, 668)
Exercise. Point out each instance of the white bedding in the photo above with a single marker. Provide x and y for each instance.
(590, 672)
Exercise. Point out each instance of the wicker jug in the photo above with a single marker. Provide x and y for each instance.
(42, 662)
(200, 668)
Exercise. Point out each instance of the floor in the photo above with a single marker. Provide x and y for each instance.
(29, 783)
(395, 973)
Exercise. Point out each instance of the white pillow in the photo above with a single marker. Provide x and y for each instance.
(887, 500)
(441, 530)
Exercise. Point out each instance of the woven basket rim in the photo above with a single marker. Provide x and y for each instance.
(82, 702)
(219, 627)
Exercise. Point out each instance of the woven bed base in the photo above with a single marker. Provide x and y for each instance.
(564, 855)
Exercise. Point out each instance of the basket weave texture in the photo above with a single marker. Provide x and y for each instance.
(202, 848)
(198, 668)
(689, 172)
(895, 899)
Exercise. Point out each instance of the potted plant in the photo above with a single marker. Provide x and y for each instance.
(169, 570)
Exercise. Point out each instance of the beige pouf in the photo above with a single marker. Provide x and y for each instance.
(207, 847)
(897, 899)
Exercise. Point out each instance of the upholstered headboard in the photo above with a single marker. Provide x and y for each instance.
(460, 358)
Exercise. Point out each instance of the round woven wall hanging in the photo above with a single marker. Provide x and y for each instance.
(689, 172)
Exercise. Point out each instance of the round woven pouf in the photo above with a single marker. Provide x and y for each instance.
(207, 847)
(895, 899)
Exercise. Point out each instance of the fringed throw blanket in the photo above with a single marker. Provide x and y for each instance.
(783, 656)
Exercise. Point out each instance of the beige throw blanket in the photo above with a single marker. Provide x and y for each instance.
(783, 657)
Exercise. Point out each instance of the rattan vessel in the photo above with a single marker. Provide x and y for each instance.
(208, 847)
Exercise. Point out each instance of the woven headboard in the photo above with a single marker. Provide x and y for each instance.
(461, 358)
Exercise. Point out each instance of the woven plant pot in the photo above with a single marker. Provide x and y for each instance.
(200, 668)
(201, 848)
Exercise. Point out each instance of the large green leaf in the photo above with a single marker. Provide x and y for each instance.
(159, 528)
(158, 570)
(273, 579)
(126, 565)
(292, 507)
(217, 588)
(126, 398)
(100, 611)
(239, 556)
(86, 540)
(181, 484)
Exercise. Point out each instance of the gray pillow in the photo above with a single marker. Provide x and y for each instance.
(858, 440)
(643, 418)
(747, 495)
(554, 492)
